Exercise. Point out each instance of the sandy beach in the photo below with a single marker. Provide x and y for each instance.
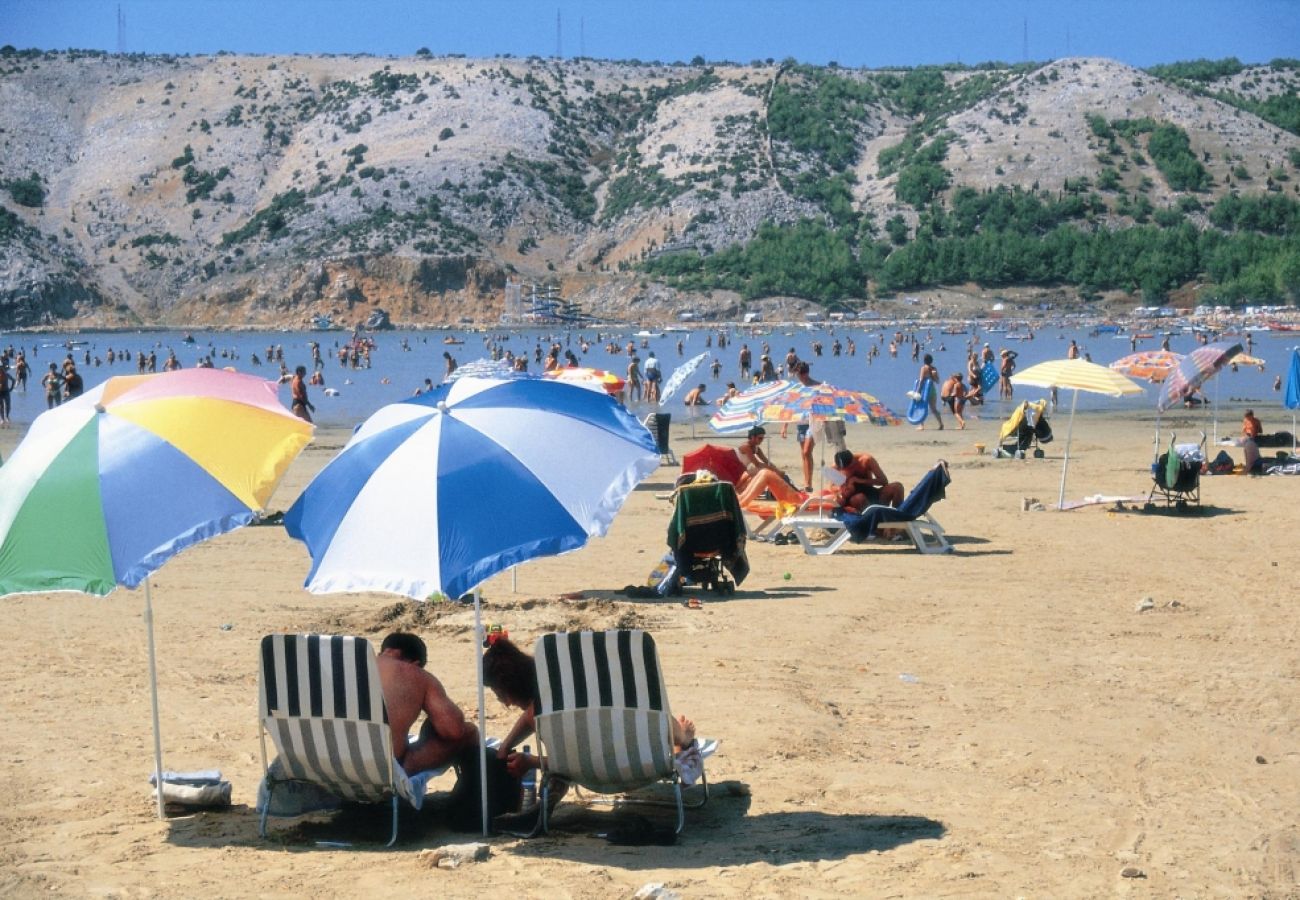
(1002, 721)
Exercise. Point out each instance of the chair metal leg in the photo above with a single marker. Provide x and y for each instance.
(266, 809)
(393, 840)
(681, 810)
(704, 783)
(545, 801)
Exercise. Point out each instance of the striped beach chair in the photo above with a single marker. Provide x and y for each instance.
(320, 699)
(603, 718)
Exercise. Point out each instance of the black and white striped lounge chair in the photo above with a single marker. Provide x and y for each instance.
(603, 718)
(320, 699)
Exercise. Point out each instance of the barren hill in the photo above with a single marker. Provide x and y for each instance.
(262, 190)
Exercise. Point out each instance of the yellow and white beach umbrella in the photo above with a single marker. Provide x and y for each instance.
(1077, 375)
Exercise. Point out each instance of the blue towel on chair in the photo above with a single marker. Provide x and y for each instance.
(928, 491)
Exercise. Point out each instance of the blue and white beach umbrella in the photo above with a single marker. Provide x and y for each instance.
(437, 493)
(1291, 399)
(679, 376)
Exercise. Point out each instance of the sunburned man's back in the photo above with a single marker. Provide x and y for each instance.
(410, 690)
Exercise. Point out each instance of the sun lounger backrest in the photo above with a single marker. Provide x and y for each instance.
(321, 700)
(603, 716)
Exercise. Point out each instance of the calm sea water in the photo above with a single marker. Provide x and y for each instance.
(401, 360)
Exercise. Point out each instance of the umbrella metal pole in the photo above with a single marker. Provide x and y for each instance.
(482, 718)
(153, 693)
(1215, 439)
(1065, 467)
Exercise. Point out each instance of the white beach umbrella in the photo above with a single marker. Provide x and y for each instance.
(1078, 375)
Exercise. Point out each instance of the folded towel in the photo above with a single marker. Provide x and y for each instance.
(197, 796)
(200, 777)
(690, 760)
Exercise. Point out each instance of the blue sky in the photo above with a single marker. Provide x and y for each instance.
(870, 33)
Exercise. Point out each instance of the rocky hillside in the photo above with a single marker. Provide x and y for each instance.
(263, 190)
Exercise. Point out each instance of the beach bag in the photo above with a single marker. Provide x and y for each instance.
(1221, 464)
(463, 810)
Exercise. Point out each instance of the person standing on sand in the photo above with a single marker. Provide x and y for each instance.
(931, 374)
(803, 431)
(408, 691)
(953, 395)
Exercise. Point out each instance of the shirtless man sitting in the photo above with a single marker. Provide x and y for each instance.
(408, 691)
(865, 482)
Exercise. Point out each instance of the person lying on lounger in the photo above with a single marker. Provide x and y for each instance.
(761, 475)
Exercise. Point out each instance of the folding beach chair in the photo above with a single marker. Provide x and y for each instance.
(912, 517)
(603, 718)
(658, 424)
(706, 536)
(320, 698)
(1176, 475)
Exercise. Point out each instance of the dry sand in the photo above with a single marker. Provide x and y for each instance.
(1046, 737)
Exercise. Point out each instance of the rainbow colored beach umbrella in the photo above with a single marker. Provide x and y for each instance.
(107, 487)
(822, 401)
(204, 447)
(741, 412)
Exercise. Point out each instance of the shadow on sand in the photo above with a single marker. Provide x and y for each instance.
(773, 837)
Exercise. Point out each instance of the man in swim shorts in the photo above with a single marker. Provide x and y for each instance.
(865, 483)
(408, 691)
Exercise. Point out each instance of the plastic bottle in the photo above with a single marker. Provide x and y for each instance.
(528, 787)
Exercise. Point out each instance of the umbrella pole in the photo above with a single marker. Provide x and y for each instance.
(1215, 439)
(1065, 467)
(482, 718)
(153, 693)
